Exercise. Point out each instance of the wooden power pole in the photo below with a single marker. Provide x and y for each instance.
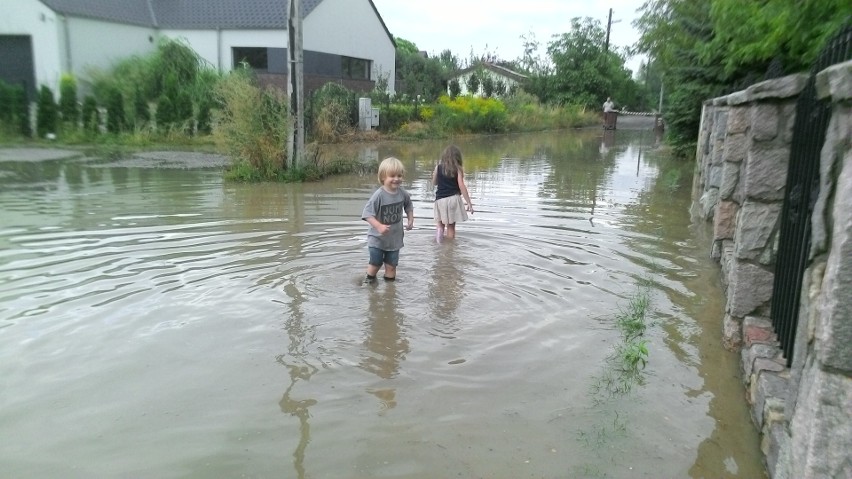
(608, 27)
(295, 85)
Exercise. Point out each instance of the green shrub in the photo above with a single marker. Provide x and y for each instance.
(395, 115)
(68, 108)
(468, 114)
(203, 119)
(141, 109)
(251, 125)
(165, 114)
(22, 110)
(46, 119)
(115, 112)
(7, 104)
(333, 111)
(91, 115)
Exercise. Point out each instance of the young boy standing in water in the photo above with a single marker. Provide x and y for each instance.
(384, 213)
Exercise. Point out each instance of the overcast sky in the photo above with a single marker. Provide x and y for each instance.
(497, 25)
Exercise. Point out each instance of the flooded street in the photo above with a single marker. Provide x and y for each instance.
(159, 322)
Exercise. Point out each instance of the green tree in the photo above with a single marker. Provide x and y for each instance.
(455, 88)
(749, 35)
(418, 74)
(472, 83)
(487, 85)
(585, 72)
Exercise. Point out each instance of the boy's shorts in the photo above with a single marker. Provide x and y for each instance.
(380, 256)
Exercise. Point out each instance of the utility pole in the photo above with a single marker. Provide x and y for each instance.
(609, 22)
(295, 85)
(608, 26)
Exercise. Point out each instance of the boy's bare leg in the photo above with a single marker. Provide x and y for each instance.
(390, 271)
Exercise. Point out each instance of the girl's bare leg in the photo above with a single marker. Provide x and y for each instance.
(451, 230)
(439, 231)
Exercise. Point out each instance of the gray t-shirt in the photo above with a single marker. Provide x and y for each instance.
(389, 209)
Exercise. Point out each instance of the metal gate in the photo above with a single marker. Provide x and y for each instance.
(812, 116)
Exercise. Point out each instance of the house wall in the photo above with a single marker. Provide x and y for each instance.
(340, 27)
(510, 82)
(30, 17)
(216, 47)
(97, 44)
(351, 28)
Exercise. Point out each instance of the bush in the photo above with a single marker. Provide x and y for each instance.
(251, 125)
(141, 110)
(68, 108)
(333, 112)
(22, 110)
(203, 119)
(46, 120)
(469, 114)
(115, 112)
(395, 115)
(91, 115)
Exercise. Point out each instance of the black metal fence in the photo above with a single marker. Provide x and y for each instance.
(809, 129)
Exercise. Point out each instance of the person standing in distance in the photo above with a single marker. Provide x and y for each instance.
(384, 212)
(448, 177)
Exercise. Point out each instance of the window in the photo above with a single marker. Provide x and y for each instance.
(255, 57)
(355, 68)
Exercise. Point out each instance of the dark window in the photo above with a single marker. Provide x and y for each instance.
(255, 57)
(355, 68)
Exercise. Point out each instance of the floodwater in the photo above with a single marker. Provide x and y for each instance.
(156, 322)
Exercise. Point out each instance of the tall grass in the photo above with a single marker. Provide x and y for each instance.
(251, 126)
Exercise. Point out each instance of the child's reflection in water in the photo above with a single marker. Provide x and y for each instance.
(386, 343)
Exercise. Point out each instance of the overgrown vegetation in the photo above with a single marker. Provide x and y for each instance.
(705, 48)
(251, 127)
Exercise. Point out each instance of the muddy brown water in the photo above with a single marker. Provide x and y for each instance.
(158, 322)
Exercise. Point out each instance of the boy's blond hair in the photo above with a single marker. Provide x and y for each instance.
(390, 166)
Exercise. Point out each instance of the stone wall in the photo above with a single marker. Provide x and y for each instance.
(804, 412)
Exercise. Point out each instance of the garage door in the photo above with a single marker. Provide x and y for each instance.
(16, 62)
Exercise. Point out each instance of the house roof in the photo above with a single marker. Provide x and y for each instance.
(500, 70)
(188, 14)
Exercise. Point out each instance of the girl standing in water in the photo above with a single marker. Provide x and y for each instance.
(449, 209)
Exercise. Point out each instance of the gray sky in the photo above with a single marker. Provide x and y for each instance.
(497, 25)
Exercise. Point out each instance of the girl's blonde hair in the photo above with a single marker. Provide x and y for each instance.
(390, 167)
(451, 160)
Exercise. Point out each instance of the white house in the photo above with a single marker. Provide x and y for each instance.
(343, 40)
(511, 79)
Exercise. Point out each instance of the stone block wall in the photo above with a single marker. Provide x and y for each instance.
(804, 412)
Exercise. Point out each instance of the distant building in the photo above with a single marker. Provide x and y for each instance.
(511, 79)
(344, 41)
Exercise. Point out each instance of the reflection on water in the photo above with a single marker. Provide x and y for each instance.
(386, 344)
(219, 330)
(447, 286)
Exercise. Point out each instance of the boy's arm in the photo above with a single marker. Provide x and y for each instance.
(409, 211)
(378, 225)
